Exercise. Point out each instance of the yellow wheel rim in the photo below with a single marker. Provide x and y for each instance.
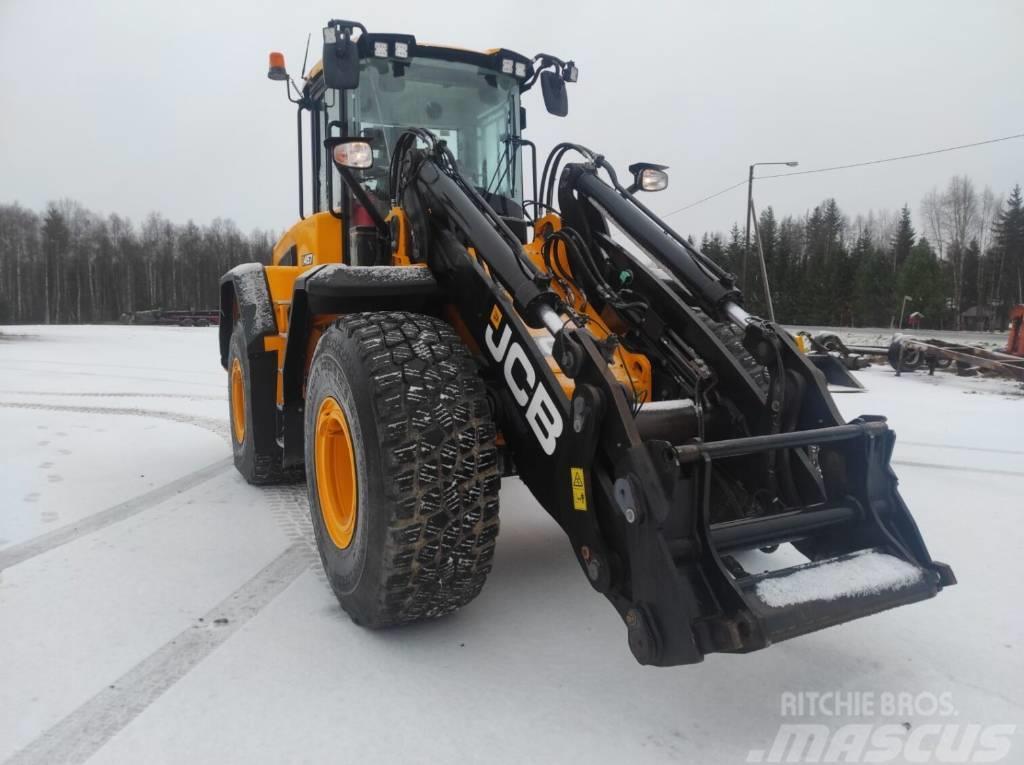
(335, 472)
(237, 401)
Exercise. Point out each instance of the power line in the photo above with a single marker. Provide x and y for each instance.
(854, 164)
(895, 159)
(705, 199)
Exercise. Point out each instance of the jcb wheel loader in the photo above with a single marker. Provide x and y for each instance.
(425, 332)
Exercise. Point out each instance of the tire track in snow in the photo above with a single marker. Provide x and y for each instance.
(208, 423)
(21, 552)
(128, 394)
(961, 448)
(87, 729)
(959, 468)
(83, 732)
(92, 364)
(64, 372)
(288, 503)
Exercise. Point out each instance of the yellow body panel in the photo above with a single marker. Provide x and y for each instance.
(488, 52)
(281, 280)
(317, 240)
(318, 235)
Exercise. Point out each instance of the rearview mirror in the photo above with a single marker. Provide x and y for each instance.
(555, 98)
(353, 153)
(341, 58)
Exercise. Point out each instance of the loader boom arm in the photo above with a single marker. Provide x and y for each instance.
(642, 505)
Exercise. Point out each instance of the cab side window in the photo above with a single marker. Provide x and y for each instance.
(317, 153)
(327, 119)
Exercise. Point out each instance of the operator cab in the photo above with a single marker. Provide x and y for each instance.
(374, 87)
(474, 109)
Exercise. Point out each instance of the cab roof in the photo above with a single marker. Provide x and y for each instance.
(372, 44)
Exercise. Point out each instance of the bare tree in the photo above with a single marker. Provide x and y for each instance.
(933, 213)
(990, 206)
(953, 219)
(961, 212)
(70, 265)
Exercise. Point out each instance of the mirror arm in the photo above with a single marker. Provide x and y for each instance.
(546, 62)
(345, 24)
(298, 92)
(303, 101)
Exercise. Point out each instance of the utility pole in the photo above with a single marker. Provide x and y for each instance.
(750, 210)
(746, 238)
(764, 265)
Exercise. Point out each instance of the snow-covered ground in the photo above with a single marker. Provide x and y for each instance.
(156, 608)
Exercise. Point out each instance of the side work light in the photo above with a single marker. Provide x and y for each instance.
(648, 177)
(356, 155)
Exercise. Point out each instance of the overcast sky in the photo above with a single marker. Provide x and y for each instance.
(131, 106)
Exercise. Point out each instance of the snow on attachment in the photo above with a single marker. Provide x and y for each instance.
(865, 573)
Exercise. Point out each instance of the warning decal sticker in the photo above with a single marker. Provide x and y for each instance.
(579, 489)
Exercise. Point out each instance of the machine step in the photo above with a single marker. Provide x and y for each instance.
(808, 597)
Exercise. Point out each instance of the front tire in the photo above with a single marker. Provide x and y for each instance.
(394, 402)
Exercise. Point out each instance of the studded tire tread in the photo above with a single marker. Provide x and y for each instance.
(427, 467)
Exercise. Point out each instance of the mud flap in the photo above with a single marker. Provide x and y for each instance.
(245, 298)
(339, 289)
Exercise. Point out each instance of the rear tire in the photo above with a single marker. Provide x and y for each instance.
(253, 440)
(420, 433)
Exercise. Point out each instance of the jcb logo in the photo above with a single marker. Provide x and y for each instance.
(541, 413)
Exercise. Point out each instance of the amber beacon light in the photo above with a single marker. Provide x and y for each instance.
(277, 70)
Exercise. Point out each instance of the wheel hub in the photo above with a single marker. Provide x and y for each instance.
(335, 472)
(237, 401)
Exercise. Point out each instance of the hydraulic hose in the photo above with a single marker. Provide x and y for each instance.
(717, 296)
(491, 239)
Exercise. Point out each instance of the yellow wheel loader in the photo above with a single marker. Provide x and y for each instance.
(426, 331)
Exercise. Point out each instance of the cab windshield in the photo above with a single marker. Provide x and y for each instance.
(476, 111)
